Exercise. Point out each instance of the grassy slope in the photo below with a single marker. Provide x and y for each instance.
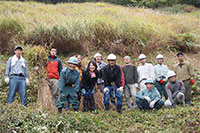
(117, 29)
(32, 119)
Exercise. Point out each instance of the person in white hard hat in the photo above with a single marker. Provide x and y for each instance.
(175, 90)
(149, 98)
(161, 76)
(131, 79)
(112, 80)
(145, 71)
(100, 65)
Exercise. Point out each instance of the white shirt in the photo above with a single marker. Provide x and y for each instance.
(146, 71)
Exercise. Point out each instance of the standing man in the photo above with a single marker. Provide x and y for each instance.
(131, 79)
(17, 69)
(161, 76)
(100, 65)
(185, 72)
(69, 85)
(112, 80)
(145, 71)
(175, 90)
(53, 68)
(149, 98)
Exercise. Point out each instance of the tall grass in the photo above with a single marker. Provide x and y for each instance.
(92, 26)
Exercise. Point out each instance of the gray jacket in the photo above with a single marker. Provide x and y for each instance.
(174, 88)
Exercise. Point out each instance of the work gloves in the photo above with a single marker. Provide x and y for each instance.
(136, 85)
(151, 105)
(7, 80)
(162, 82)
(147, 98)
(105, 89)
(192, 81)
(120, 89)
(83, 91)
(27, 81)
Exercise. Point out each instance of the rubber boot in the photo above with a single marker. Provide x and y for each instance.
(107, 107)
(119, 109)
(59, 110)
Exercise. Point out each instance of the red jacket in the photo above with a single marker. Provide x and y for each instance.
(122, 78)
(53, 67)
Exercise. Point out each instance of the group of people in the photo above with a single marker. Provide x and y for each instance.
(146, 84)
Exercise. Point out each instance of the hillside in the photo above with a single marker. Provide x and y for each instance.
(87, 28)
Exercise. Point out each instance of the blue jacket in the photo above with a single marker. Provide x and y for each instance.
(153, 94)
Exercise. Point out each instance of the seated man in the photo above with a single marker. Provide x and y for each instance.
(149, 98)
(175, 90)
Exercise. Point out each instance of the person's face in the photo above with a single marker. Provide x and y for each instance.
(111, 62)
(92, 67)
(180, 58)
(172, 79)
(143, 61)
(98, 59)
(18, 52)
(160, 61)
(79, 58)
(149, 86)
(53, 52)
(71, 66)
(127, 61)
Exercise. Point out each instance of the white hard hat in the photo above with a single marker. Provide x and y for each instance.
(159, 57)
(142, 56)
(127, 57)
(97, 54)
(170, 74)
(112, 57)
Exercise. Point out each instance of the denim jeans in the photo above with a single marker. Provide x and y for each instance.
(17, 84)
(109, 94)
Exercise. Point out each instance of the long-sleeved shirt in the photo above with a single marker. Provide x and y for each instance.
(184, 71)
(174, 88)
(100, 67)
(160, 72)
(18, 68)
(112, 75)
(145, 71)
(69, 80)
(87, 82)
(53, 67)
(153, 94)
(130, 74)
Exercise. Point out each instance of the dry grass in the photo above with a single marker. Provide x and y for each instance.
(86, 27)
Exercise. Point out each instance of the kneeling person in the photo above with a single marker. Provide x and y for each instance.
(175, 90)
(149, 98)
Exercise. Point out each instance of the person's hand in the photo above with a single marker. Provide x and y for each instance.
(27, 81)
(162, 82)
(152, 104)
(105, 89)
(147, 98)
(192, 81)
(120, 89)
(7, 80)
(136, 85)
(83, 91)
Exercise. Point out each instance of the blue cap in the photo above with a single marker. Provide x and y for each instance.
(73, 60)
(180, 53)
